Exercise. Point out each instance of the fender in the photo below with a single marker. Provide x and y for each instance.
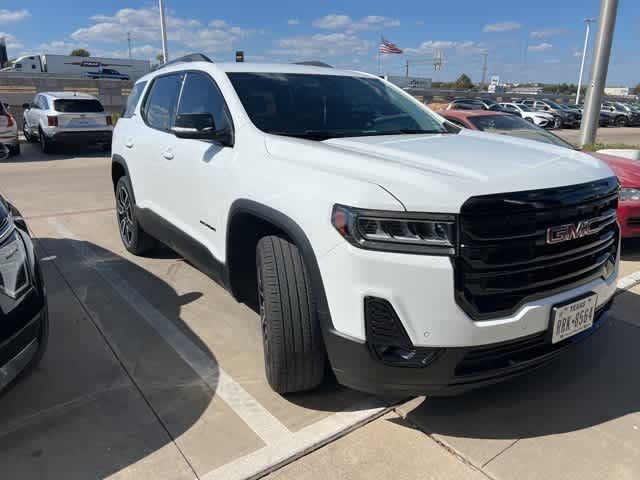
(297, 235)
(119, 160)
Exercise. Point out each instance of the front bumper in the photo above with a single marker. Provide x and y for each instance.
(454, 370)
(629, 218)
(20, 351)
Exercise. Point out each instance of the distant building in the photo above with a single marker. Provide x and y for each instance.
(410, 83)
(617, 91)
(3, 52)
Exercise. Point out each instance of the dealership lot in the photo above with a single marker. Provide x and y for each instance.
(154, 371)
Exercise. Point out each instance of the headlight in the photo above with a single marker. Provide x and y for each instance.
(14, 274)
(629, 194)
(429, 234)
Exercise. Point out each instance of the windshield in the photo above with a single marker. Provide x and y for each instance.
(517, 127)
(319, 107)
(553, 105)
(78, 106)
(525, 108)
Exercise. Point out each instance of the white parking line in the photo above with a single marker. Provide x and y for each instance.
(272, 457)
(258, 418)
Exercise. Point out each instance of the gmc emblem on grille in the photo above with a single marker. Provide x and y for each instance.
(573, 231)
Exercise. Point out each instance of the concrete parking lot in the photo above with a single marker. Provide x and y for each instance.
(609, 136)
(153, 371)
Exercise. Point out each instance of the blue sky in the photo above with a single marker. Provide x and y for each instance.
(537, 40)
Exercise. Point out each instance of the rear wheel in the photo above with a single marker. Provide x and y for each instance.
(294, 354)
(45, 143)
(133, 237)
(621, 121)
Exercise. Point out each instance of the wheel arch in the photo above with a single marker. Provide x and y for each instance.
(268, 222)
(119, 169)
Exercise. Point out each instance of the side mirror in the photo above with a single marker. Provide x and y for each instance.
(26, 106)
(200, 126)
(4, 151)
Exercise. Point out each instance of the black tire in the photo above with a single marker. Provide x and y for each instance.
(14, 150)
(133, 237)
(621, 121)
(27, 136)
(294, 353)
(45, 143)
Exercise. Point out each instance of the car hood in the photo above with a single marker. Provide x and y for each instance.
(438, 173)
(627, 171)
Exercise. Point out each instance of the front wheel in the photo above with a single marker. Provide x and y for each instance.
(621, 122)
(294, 353)
(133, 237)
(27, 134)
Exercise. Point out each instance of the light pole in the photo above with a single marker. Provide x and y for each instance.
(599, 69)
(163, 28)
(588, 21)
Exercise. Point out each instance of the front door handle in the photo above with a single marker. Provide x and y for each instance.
(129, 143)
(168, 154)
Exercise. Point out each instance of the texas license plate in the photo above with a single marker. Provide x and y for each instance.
(572, 318)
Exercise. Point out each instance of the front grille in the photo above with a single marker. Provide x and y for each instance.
(492, 358)
(504, 259)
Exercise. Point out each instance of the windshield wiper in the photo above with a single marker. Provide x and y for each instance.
(315, 134)
(408, 131)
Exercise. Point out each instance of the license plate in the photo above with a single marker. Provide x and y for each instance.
(572, 318)
(79, 123)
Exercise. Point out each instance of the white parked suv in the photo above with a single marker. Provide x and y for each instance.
(62, 118)
(367, 231)
(541, 119)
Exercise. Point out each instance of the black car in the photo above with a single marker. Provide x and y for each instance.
(479, 104)
(23, 305)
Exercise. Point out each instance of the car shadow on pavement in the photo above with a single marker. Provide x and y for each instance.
(593, 382)
(110, 392)
(31, 153)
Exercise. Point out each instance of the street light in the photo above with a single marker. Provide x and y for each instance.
(588, 21)
(163, 28)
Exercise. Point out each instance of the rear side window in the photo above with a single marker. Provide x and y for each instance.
(132, 100)
(201, 95)
(162, 101)
(78, 106)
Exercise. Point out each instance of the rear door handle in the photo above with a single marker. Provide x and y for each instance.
(168, 154)
(129, 143)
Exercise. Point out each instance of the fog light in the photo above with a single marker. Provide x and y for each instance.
(406, 357)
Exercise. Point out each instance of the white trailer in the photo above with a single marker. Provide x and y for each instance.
(86, 67)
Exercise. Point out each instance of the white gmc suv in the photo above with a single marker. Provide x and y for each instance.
(369, 232)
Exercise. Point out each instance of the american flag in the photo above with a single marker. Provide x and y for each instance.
(388, 48)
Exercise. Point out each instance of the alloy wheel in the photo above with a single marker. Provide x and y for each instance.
(125, 215)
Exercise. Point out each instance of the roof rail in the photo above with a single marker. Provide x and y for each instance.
(314, 63)
(192, 57)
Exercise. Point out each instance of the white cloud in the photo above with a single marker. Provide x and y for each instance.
(542, 47)
(431, 46)
(60, 47)
(8, 16)
(320, 45)
(293, 21)
(346, 23)
(11, 41)
(188, 33)
(333, 22)
(501, 27)
(548, 32)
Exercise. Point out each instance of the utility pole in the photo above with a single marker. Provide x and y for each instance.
(406, 73)
(588, 21)
(129, 43)
(484, 68)
(163, 28)
(601, 55)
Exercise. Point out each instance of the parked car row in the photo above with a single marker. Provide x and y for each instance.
(549, 114)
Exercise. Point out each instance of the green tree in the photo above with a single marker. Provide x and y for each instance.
(80, 52)
(463, 82)
(636, 89)
(160, 58)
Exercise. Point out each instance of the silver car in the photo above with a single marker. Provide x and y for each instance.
(9, 131)
(62, 118)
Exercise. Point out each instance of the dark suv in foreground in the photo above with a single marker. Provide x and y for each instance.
(23, 305)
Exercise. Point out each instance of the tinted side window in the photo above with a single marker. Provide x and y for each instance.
(201, 95)
(162, 101)
(132, 100)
